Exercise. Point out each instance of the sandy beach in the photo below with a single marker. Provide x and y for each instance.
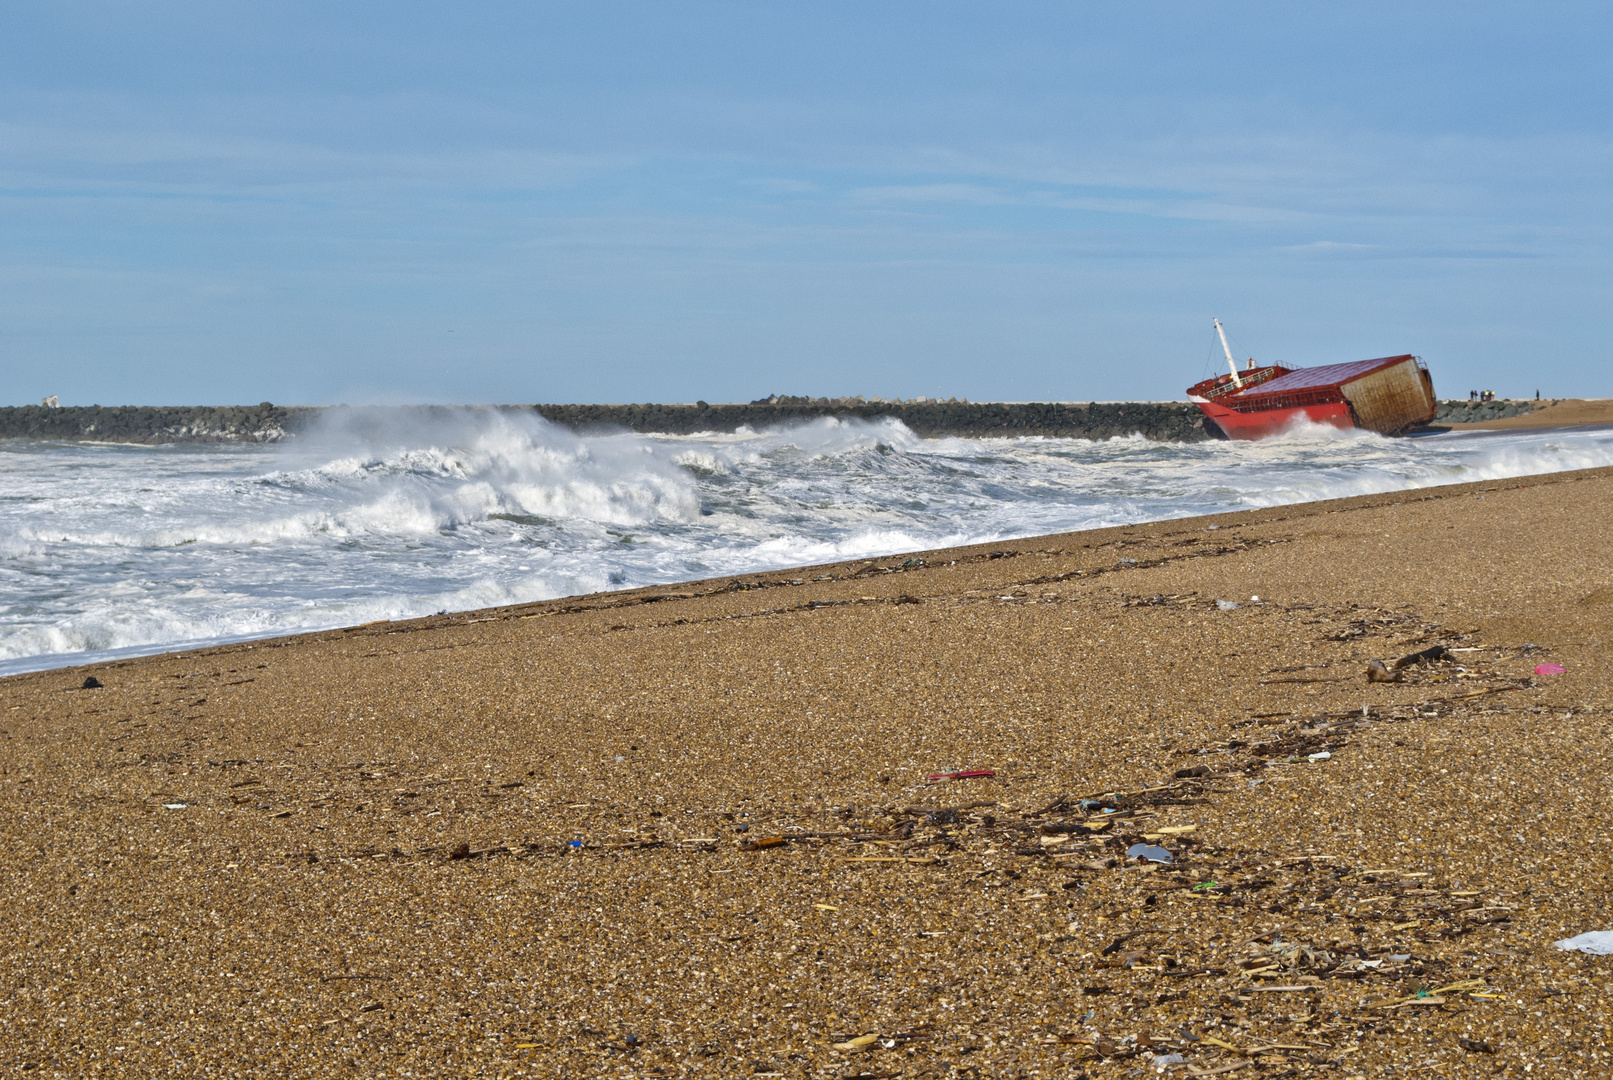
(705, 830)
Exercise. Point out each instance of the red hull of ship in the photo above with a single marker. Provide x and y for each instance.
(1390, 395)
(1258, 425)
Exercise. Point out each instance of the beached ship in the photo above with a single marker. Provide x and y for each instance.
(1390, 395)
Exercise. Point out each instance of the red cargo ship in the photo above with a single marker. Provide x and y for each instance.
(1390, 395)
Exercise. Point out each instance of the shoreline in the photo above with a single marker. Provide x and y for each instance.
(699, 830)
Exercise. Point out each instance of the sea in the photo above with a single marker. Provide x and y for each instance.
(117, 550)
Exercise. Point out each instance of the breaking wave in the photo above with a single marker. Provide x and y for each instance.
(391, 513)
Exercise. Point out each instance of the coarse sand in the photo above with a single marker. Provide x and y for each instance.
(692, 831)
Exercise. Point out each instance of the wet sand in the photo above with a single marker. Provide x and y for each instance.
(689, 831)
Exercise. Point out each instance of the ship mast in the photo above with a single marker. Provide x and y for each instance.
(1231, 363)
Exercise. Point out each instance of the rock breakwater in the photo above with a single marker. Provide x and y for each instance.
(263, 423)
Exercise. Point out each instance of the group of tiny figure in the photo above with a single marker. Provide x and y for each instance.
(1489, 395)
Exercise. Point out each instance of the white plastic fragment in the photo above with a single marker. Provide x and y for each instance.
(1595, 943)
(1323, 756)
(1151, 852)
(174, 805)
(1227, 605)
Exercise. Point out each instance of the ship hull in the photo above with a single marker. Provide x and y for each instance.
(1390, 395)
(1258, 425)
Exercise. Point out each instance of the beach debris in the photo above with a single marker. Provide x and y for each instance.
(965, 774)
(1227, 605)
(175, 806)
(574, 843)
(1195, 771)
(1165, 1061)
(1230, 1067)
(1378, 672)
(1435, 996)
(91, 683)
(1474, 1046)
(861, 1042)
(1114, 946)
(1595, 943)
(1551, 669)
(763, 842)
(1430, 655)
(1323, 756)
(1254, 599)
(1150, 852)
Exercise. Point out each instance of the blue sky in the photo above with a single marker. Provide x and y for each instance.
(516, 202)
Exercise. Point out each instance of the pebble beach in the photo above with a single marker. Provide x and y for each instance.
(1120, 802)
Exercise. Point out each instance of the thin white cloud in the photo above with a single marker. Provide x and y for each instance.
(1327, 246)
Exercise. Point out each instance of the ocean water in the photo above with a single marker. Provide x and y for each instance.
(110, 550)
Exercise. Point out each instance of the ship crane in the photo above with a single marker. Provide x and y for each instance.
(1231, 363)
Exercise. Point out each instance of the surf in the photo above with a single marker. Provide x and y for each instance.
(388, 514)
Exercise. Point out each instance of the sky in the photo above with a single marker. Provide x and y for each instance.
(312, 203)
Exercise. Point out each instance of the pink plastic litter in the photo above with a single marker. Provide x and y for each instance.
(1550, 669)
(967, 774)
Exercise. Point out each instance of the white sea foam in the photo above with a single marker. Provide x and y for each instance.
(395, 513)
